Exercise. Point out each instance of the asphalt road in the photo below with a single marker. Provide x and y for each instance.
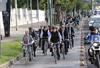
(85, 31)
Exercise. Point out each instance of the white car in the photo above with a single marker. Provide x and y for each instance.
(95, 21)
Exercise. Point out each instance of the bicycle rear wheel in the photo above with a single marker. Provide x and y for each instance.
(63, 52)
(55, 56)
(45, 48)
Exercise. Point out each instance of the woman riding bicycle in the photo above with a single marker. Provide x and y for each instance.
(26, 42)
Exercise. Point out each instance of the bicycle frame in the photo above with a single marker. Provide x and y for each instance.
(55, 51)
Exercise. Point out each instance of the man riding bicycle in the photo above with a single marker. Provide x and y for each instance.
(66, 38)
(71, 34)
(34, 36)
(55, 37)
(44, 36)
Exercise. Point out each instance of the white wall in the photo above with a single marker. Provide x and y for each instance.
(22, 19)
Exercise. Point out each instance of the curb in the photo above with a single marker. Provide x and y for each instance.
(83, 63)
(10, 62)
(5, 65)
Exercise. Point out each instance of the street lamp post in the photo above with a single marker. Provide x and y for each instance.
(0, 41)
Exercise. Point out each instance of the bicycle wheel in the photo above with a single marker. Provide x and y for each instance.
(45, 48)
(63, 51)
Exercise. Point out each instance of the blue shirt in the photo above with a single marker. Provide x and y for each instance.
(93, 38)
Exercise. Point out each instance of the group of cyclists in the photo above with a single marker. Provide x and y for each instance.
(51, 34)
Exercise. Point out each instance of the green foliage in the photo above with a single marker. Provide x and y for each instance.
(86, 6)
(24, 4)
(98, 0)
(43, 4)
(10, 50)
(68, 5)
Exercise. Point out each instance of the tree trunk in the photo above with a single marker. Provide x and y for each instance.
(6, 19)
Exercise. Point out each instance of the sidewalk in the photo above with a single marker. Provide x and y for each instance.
(21, 29)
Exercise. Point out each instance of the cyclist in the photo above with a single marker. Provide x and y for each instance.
(40, 39)
(71, 35)
(55, 37)
(66, 38)
(34, 36)
(44, 36)
(61, 31)
(26, 40)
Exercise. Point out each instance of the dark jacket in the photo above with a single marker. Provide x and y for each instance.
(55, 37)
(45, 34)
(33, 34)
(66, 32)
(71, 31)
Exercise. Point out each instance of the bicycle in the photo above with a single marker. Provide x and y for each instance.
(63, 50)
(54, 48)
(70, 41)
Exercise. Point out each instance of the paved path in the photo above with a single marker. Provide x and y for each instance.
(72, 59)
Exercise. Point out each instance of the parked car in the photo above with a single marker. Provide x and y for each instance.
(94, 21)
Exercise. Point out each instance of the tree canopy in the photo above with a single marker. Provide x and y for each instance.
(68, 5)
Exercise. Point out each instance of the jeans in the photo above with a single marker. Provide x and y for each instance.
(43, 43)
(66, 43)
(27, 49)
(40, 41)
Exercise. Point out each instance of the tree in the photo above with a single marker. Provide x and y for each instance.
(24, 4)
(98, 0)
(43, 4)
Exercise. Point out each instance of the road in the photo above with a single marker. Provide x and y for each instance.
(72, 58)
(85, 31)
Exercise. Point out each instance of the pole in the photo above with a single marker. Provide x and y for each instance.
(0, 41)
(38, 11)
(16, 14)
(49, 12)
(31, 11)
